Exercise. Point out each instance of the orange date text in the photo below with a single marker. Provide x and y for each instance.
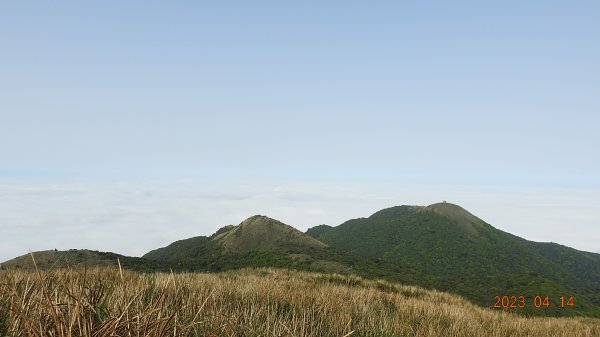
(538, 302)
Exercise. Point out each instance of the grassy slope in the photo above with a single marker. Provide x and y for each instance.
(263, 302)
(447, 248)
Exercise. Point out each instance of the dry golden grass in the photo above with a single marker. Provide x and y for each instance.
(264, 302)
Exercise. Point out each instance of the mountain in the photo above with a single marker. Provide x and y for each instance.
(443, 246)
(261, 233)
(78, 258)
(260, 241)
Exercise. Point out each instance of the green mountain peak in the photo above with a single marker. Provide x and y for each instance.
(444, 246)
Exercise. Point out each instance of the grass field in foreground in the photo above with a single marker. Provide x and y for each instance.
(260, 302)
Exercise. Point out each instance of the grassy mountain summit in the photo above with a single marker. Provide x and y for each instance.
(261, 233)
(447, 248)
(260, 241)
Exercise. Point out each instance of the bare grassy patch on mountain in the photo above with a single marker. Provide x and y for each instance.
(260, 233)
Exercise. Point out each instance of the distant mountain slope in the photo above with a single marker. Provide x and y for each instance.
(584, 265)
(317, 231)
(448, 248)
(257, 234)
(78, 258)
(260, 241)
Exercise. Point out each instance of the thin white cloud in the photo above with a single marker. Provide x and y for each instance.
(134, 217)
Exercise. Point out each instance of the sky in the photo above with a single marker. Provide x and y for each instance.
(127, 125)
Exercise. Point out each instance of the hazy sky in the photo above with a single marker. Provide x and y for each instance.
(494, 104)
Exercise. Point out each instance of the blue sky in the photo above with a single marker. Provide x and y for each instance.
(436, 93)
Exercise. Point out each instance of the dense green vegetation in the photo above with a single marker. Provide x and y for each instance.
(447, 248)
(317, 231)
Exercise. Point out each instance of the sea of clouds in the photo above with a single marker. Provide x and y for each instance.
(134, 217)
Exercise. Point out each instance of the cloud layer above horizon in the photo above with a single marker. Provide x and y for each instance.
(133, 218)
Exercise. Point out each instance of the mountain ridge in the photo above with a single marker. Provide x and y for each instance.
(76, 258)
(441, 246)
(258, 241)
